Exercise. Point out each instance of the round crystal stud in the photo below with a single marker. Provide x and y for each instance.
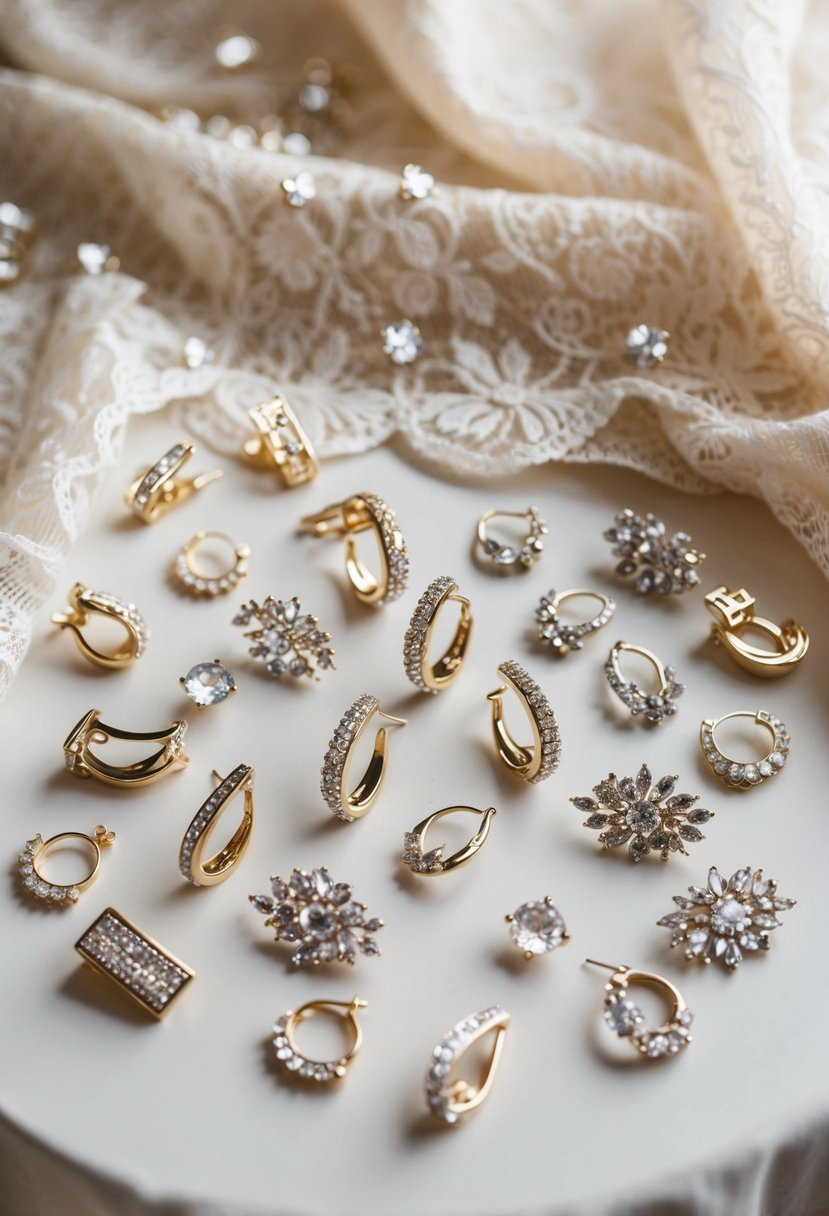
(402, 342)
(208, 683)
(537, 927)
(646, 346)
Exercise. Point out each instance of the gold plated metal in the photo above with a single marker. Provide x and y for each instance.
(740, 774)
(655, 705)
(364, 513)
(627, 1021)
(354, 804)
(562, 637)
(291, 1058)
(433, 862)
(83, 762)
(280, 443)
(143, 969)
(539, 759)
(84, 603)
(196, 581)
(507, 556)
(733, 613)
(191, 859)
(56, 893)
(157, 489)
(434, 677)
(452, 1099)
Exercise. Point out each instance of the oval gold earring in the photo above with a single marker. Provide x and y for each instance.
(84, 603)
(291, 1058)
(433, 862)
(366, 513)
(626, 1019)
(350, 805)
(56, 893)
(734, 615)
(537, 760)
(83, 762)
(279, 442)
(157, 489)
(434, 677)
(452, 1100)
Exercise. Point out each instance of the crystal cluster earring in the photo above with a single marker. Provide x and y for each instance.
(510, 556)
(563, 638)
(664, 564)
(318, 918)
(287, 641)
(653, 705)
(627, 1021)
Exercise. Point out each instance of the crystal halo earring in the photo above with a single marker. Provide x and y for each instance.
(279, 442)
(156, 490)
(56, 893)
(537, 760)
(656, 705)
(508, 556)
(434, 677)
(433, 861)
(448, 1100)
(626, 1019)
(564, 638)
(346, 805)
(83, 762)
(366, 513)
(196, 582)
(734, 615)
(84, 603)
(744, 775)
(293, 1060)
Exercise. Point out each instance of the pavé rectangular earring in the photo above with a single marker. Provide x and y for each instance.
(144, 970)
(279, 442)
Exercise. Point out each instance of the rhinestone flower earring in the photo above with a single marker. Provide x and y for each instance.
(626, 1019)
(667, 565)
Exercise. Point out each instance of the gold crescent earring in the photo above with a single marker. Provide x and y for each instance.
(537, 760)
(434, 677)
(84, 603)
(433, 861)
(366, 513)
(452, 1100)
(352, 805)
(83, 762)
(733, 613)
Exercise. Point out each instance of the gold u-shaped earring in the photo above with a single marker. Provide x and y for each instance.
(352, 805)
(433, 861)
(291, 1058)
(156, 489)
(84, 603)
(450, 1101)
(733, 613)
(362, 513)
(82, 761)
(627, 1020)
(539, 759)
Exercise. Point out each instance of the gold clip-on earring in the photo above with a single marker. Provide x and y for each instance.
(279, 442)
(537, 760)
(83, 762)
(156, 490)
(195, 868)
(733, 613)
(84, 603)
(364, 513)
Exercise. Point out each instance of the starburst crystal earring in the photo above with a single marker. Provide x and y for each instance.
(292, 1059)
(318, 918)
(626, 1019)
(286, 641)
(452, 1100)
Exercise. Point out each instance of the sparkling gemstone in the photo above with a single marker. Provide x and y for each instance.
(537, 927)
(317, 920)
(300, 189)
(237, 51)
(646, 346)
(197, 353)
(9, 270)
(208, 683)
(764, 768)
(12, 216)
(728, 916)
(415, 182)
(657, 1045)
(623, 1017)
(314, 98)
(402, 342)
(505, 555)
(642, 817)
(296, 144)
(93, 258)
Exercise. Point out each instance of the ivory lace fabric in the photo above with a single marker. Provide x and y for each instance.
(599, 164)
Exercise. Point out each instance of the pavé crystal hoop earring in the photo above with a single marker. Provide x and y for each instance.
(190, 578)
(539, 759)
(156, 490)
(742, 775)
(656, 705)
(450, 1101)
(216, 869)
(346, 805)
(84, 603)
(627, 1020)
(56, 892)
(434, 677)
(279, 442)
(82, 761)
(508, 555)
(292, 1059)
(364, 513)
(433, 862)
(733, 613)
(564, 638)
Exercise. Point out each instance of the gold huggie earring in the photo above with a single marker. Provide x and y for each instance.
(733, 613)
(289, 1055)
(361, 513)
(434, 862)
(84, 603)
(627, 1020)
(280, 443)
(436, 676)
(564, 638)
(539, 759)
(55, 892)
(143, 969)
(333, 786)
(198, 583)
(191, 861)
(82, 761)
(742, 775)
(448, 1100)
(509, 555)
(156, 489)
(654, 705)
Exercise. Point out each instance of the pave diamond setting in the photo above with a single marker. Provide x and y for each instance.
(542, 714)
(646, 346)
(744, 776)
(287, 640)
(414, 643)
(537, 927)
(446, 1098)
(402, 342)
(138, 965)
(666, 565)
(206, 816)
(318, 918)
(393, 545)
(349, 727)
(169, 463)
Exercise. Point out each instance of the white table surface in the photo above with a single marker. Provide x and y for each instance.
(193, 1107)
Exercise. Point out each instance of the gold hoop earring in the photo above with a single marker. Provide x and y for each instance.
(191, 861)
(362, 513)
(742, 775)
(57, 893)
(143, 969)
(656, 705)
(564, 638)
(346, 805)
(84, 603)
(156, 490)
(539, 759)
(506, 556)
(191, 579)
(450, 1101)
(734, 614)
(627, 1020)
(280, 443)
(436, 676)
(433, 862)
(82, 761)
(292, 1059)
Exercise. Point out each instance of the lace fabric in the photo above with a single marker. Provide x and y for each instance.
(597, 166)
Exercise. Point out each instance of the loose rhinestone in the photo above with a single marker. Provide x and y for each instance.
(415, 182)
(197, 353)
(208, 683)
(300, 189)
(402, 342)
(237, 51)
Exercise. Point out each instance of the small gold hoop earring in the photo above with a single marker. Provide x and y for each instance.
(452, 1100)
(57, 893)
(280, 443)
(539, 759)
(509, 556)
(741, 775)
(433, 862)
(216, 869)
(362, 513)
(354, 723)
(656, 705)
(291, 1058)
(84, 603)
(734, 614)
(626, 1019)
(156, 490)
(82, 761)
(195, 581)
(434, 677)
(564, 638)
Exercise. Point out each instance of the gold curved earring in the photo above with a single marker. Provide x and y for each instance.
(279, 442)
(364, 513)
(627, 1020)
(352, 805)
(433, 861)
(539, 759)
(216, 869)
(56, 893)
(434, 677)
(742, 775)
(734, 614)
(448, 1100)
(82, 761)
(84, 603)
(156, 490)
(291, 1058)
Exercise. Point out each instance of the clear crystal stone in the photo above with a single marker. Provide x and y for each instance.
(196, 353)
(402, 342)
(237, 51)
(208, 683)
(93, 257)
(728, 916)
(646, 346)
(537, 927)
(415, 182)
(296, 144)
(623, 1016)
(300, 189)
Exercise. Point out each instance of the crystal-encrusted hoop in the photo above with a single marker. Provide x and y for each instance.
(194, 581)
(539, 759)
(508, 556)
(564, 638)
(654, 706)
(434, 677)
(450, 1101)
(157, 488)
(83, 603)
(361, 513)
(294, 1061)
(216, 869)
(55, 893)
(626, 1019)
(350, 805)
(741, 775)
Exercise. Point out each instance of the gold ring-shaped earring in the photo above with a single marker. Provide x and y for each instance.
(197, 582)
(352, 805)
(279, 442)
(433, 862)
(57, 893)
(216, 869)
(508, 555)
(733, 613)
(434, 677)
(290, 1057)
(655, 705)
(539, 759)
(450, 1100)
(84, 603)
(627, 1020)
(739, 774)
(363, 513)
(564, 638)
(157, 489)
(82, 761)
